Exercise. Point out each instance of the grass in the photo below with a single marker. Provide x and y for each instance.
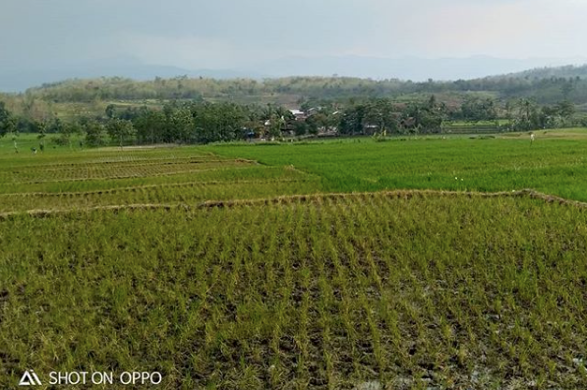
(554, 164)
(236, 267)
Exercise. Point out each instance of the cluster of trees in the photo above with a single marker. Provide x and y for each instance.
(379, 116)
(204, 122)
(527, 115)
(178, 122)
(384, 115)
(9, 125)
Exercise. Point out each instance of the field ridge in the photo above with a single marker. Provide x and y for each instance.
(406, 194)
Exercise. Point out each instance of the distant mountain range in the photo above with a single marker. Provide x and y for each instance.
(568, 71)
(411, 68)
(17, 80)
(415, 69)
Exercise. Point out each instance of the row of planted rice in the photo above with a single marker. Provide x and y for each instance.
(108, 180)
(419, 291)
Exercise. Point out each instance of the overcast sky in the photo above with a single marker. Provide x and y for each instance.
(229, 33)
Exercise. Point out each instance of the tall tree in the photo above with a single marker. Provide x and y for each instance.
(94, 133)
(276, 125)
(182, 125)
(120, 129)
(151, 126)
(527, 117)
(477, 110)
(7, 121)
(42, 130)
(67, 131)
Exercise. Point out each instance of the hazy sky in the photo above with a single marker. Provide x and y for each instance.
(228, 33)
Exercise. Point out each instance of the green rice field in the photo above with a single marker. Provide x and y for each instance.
(415, 263)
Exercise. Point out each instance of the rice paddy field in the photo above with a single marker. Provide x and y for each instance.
(431, 263)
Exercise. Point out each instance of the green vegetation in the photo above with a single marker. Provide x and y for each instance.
(293, 265)
(205, 122)
(555, 164)
(547, 86)
(184, 110)
(329, 292)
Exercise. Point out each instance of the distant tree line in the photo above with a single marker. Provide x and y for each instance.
(191, 122)
(432, 116)
(543, 86)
